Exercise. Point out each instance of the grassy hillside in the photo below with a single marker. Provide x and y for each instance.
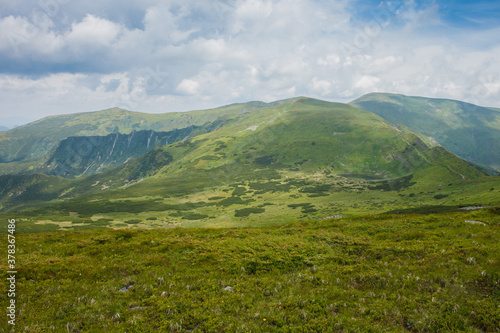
(27, 147)
(87, 155)
(416, 273)
(311, 135)
(303, 159)
(469, 131)
(24, 191)
(299, 216)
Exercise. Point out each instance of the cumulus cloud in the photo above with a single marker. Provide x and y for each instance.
(367, 82)
(93, 31)
(188, 87)
(179, 55)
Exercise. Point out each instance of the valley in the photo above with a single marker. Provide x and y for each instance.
(291, 216)
(255, 203)
(293, 160)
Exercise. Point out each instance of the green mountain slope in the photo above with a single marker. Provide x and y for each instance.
(86, 155)
(469, 131)
(21, 191)
(27, 148)
(301, 159)
(315, 136)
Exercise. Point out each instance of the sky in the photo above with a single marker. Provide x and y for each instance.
(67, 56)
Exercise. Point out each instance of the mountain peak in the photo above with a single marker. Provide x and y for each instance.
(462, 128)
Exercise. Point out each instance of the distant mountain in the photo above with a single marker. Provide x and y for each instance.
(280, 147)
(86, 155)
(14, 121)
(3, 128)
(467, 130)
(26, 149)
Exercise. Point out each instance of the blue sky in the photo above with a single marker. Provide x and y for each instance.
(64, 56)
(475, 14)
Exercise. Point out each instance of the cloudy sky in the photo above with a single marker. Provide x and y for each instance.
(65, 56)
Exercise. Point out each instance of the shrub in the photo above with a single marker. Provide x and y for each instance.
(133, 221)
(247, 211)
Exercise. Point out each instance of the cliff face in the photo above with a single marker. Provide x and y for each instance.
(86, 155)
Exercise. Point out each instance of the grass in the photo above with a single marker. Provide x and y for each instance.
(230, 231)
(462, 128)
(391, 273)
(259, 151)
(200, 202)
(27, 147)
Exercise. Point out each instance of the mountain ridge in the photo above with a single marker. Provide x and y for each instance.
(303, 150)
(26, 147)
(467, 130)
(80, 155)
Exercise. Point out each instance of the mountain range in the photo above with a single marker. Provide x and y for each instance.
(467, 130)
(250, 163)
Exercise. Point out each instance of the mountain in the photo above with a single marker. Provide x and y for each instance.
(297, 159)
(467, 130)
(26, 149)
(303, 203)
(3, 128)
(86, 155)
(296, 172)
(312, 135)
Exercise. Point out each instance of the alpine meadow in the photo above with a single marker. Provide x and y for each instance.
(310, 201)
(281, 210)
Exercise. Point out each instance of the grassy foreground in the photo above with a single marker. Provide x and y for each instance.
(385, 273)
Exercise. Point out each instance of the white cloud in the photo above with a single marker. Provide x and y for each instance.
(181, 55)
(367, 83)
(251, 10)
(321, 87)
(61, 93)
(330, 60)
(188, 87)
(18, 34)
(93, 30)
(415, 17)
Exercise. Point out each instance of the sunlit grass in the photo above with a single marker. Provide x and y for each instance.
(369, 273)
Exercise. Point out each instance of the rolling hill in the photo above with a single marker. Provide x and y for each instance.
(467, 130)
(27, 148)
(289, 196)
(295, 160)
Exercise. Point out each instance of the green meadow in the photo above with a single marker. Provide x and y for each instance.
(371, 273)
(294, 216)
